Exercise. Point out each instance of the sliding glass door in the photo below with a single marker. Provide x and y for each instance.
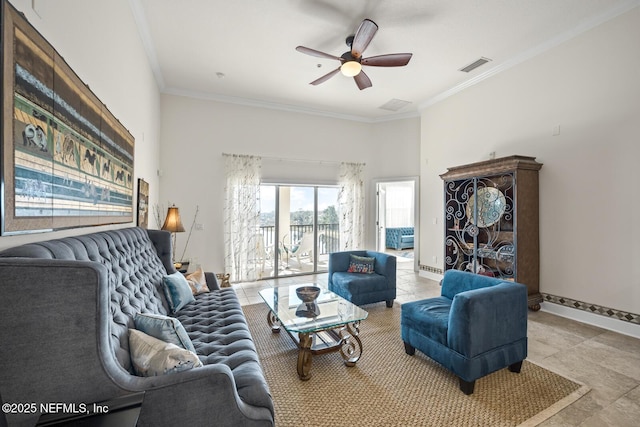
(299, 227)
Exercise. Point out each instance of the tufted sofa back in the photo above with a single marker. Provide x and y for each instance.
(134, 273)
(401, 231)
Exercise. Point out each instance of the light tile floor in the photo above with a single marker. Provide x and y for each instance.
(607, 362)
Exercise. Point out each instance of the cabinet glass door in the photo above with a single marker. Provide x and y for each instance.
(479, 220)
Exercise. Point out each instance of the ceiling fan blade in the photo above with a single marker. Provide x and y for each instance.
(390, 60)
(363, 37)
(325, 77)
(362, 80)
(317, 53)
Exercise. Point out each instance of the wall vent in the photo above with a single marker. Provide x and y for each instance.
(475, 64)
(394, 105)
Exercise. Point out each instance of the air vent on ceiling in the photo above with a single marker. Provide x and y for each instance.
(394, 105)
(475, 64)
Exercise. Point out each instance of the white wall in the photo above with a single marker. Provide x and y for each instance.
(100, 42)
(196, 132)
(589, 199)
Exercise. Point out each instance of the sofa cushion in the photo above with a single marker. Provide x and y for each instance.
(151, 356)
(164, 328)
(177, 290)
(361, 264)
(429, 316)
(219, 332)
(354, 282)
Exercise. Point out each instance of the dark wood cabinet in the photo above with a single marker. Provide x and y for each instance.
(491, 219)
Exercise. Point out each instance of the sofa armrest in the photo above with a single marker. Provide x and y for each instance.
(385, 265)
(487, 318)
(53, 309)
(200, 396)
(212, 281)
(338, 261)
(392, 239)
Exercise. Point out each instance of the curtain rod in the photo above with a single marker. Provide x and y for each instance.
(283, 159)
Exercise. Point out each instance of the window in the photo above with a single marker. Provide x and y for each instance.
(299, 228)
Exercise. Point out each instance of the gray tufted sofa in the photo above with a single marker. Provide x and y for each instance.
(67, 305)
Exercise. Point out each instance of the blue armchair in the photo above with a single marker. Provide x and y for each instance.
(477, 326)
(362, 288)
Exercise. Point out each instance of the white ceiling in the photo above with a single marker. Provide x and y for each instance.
(252, 43)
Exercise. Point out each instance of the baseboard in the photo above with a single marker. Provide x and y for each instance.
(600, 321)
(430, 275)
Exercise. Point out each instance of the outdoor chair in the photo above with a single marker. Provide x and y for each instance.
(304, 246)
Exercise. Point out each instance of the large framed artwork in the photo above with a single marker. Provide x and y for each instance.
(143, 203)
(66, 160)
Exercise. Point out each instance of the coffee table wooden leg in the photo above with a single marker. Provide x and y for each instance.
(350, 345)
(304, 356)
(273, 322)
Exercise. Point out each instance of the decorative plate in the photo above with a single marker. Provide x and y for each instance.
(491, 206)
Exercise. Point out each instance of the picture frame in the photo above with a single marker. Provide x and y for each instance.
(66, 160)
(143, 203)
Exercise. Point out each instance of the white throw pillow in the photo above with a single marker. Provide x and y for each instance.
(151, 356)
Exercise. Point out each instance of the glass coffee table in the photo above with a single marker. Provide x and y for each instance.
(329, 324)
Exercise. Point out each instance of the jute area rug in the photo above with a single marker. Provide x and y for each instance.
(387, 387)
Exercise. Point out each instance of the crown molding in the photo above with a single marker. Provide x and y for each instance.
(250, 102)
(147, 42)
(533, 52)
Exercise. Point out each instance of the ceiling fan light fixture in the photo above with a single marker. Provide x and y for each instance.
(351, 62)
(351, 68)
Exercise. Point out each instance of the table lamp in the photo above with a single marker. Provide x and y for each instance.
(173, 224)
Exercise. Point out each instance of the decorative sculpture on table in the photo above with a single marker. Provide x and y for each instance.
(308, 295)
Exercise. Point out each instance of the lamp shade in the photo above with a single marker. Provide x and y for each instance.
(172, 222)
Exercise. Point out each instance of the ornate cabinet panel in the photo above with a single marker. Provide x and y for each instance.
(492, 221)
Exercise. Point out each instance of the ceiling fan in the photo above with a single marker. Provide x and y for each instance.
(352, 61)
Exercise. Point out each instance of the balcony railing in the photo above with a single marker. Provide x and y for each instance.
(328, 236)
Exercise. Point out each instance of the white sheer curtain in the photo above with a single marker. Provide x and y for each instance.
(351, 203)
(399, 205)
(241, 216)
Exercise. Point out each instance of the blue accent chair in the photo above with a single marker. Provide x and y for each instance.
(362, 288)
(477, 326)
